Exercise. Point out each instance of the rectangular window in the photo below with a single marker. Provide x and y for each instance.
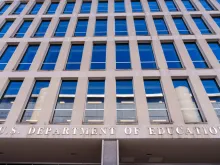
(51, 57)
(4, 8)
(81, 28)
(36, 8)
(5, 27)
(181, 26)
(171, 56)
(94, 110)
(215, 46)
(69, 8)
(61, 28)
(213, 92)
(140, 27)
(36, 100)
(155, 100)
(8, 98)
(153, 5)
(19, 9)
(28, 57)
(101, 27)
(86, 7)
(171, 5)
(217, 21)
(136, 6)
(161, 26)
(98, 57)
(126, 108)
(146, 56)
(123, 60)
(75, 57)
(206, 5)
(6, 56)
(65, 101)
(188, 105)
(42, 28)
(23, 29)
(121, 27)
(102, 7)
(188, 5)
(53, 7)
(202, 25)
(119, 7)
(196, 55)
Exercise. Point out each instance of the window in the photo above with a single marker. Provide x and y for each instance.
(171, 5)
(136, 6)
(206, 5)
(51, 57)
(181, 26)
(188, 105)
(161, 26)
(215, 49)
(19, 8)
(6, 56)
(86, 6)
(140, 27)
(188, 5)
(23, 28)
(153, 5)
(65, 101)
(53, 7)
(119, 7)
(121, 27)
(123, 60)
(75, 57)
(126, 108)
(98, 56)
(8, 98)
(42, 28)
(81, 28)
(36, 8)
(101, 27)
(171, 56)
(213, 92)
(4, 8)
(146, 56)
(155, 101)
(201, 25)
(5, 27)
(61, 28)
(28, 57)
(195, 55)
(102, 7)
(94, 110)
(34, 105)
(217, 20)
(69, 8)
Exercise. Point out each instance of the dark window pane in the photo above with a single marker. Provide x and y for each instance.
(53, 7)
(123, 56)
(42, 28)
(69, 8)
(101, 27)
(124, 87)
(181, 26)
(22, 30)
(121, 27)
(6, 56)
(5, 28)
(140, 27)
(153, 5)
(61, 28)
(161, 26)
(201, 25)
(98, 56)
(81, 28)
(4, 8)
(36, 8)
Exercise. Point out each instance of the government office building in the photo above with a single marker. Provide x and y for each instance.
(110, 82)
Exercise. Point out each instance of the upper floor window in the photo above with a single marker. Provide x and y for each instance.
(123, 60)
(102, 7)
(51, 57)
(4, 8)
(81, 28)
(75, 57)
(153, 5)
(188, 5)
(19, 9)
(202, 25)
(28, 57)
(53, 7)
(206, 5)
(171, 5)
(42, 29)
(5, 27)
(161, 26)
(119, 7)
(181, 26)
(6, 56)
(196, 55)
(136, 6)
(124, 87)
(121, 27)
(36, 8)
(86, 7)
(140, 27)
(23, 28)
(98, 57)
(61, 28)
(69, 8)
(101, 27)
(217, 21)
(215, 46)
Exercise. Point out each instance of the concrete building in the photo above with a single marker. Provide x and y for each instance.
(110, 82)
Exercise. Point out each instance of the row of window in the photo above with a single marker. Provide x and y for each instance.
(103, 6)
(125, 101)
(101, 27)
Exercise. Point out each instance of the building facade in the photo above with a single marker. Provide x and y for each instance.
(109, 82)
